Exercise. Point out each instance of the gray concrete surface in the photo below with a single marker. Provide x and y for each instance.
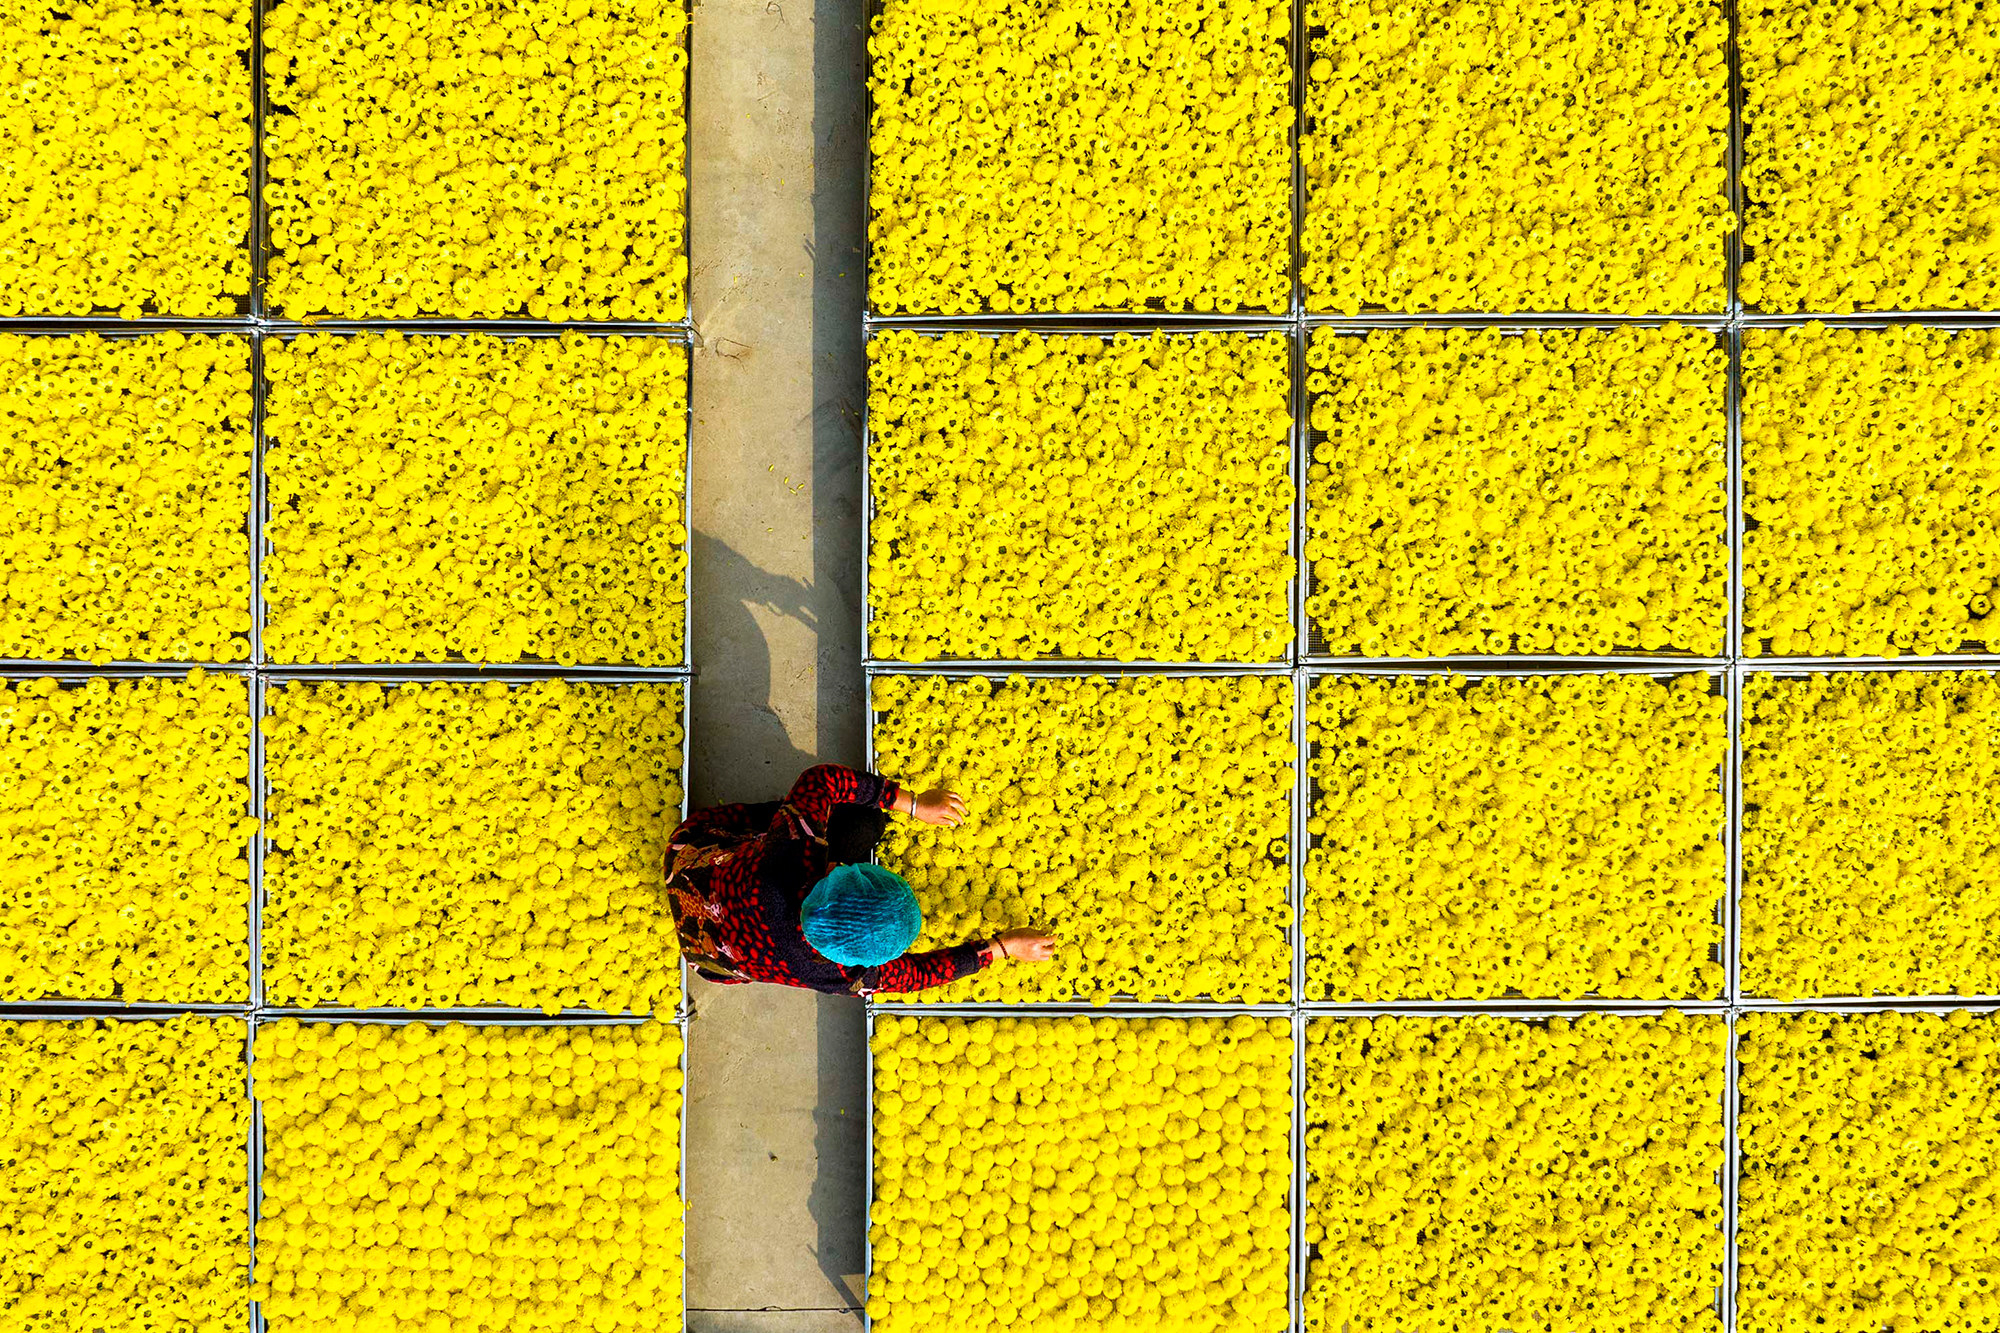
(775, 1131)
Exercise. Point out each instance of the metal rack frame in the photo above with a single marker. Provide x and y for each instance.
(255, 1011)
(1726, 676)
(253, 322)
(255, 1146)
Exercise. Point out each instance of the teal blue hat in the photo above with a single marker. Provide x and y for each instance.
(861, 916)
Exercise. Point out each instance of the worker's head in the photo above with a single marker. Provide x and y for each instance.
(861, 916)
(852, 833)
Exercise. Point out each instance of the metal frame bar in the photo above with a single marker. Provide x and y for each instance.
(868, 1016)
(1465, 319)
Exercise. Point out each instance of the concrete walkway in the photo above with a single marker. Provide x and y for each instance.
(775, 1159)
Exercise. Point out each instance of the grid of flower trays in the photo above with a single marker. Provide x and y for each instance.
(344, 649)
(1639, 690)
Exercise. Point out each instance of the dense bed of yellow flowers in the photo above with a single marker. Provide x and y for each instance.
(1101, 1176)
(1080, 155)
(1128, 498)
(1551, 492)
(1513, 157)
(1871, 817)
(477, 159)
(125, 168)
(1144, 820)
(1548, 836)
(1872, 481)
(1866, 1194)
(125, 498)
(124, 1207)
(468, 497)
(1487, 1174)
(444, 844)
(471, 1179)
(125, 827)
(1871, 155)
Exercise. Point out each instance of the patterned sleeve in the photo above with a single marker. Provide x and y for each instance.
(920, 971)
(805, 966)
(824, 786)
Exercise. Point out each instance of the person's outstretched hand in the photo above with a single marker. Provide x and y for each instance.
(1026, 945)
(939, 806)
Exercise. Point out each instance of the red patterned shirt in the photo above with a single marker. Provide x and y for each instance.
(770, 857)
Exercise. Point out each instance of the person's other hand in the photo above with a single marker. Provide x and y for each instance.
(938, 806)
(1026, 945)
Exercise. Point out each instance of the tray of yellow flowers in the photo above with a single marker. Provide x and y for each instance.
(1525, 1168)
(1146, 818)
(470, 1162)
(1154, 1155)
(527, 166)
(1518, 838)
(131, 1140)
(461, 844)
(1082, 498)
(1060, 164)
(1610, 192)
(1470, 496)
(1858, 1159)
(1859, 542)
(409, 485)
(1839, 224)
(128, 530)
(1867, 797)
(129, 818)
(129, 189)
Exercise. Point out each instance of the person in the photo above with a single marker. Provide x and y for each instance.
(785, 892)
